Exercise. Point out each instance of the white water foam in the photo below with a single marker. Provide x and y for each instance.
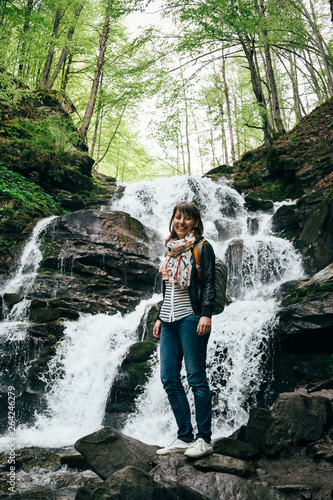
(82, 371)
(13, 324)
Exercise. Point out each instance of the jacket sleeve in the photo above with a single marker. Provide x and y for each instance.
(208, 279)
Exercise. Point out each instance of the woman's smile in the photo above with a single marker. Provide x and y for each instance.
(183, 224)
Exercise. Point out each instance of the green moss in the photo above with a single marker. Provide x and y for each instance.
(305, 292)
(324, 362)
(21, 201)
(140, 352)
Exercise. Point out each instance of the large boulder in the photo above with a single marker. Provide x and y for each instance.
(107, 451)
(306, 312)
(215, 485)
(294, 417)
(95, 261)
(129, 383)
(309, 223)
(317, 234)
(131, 483)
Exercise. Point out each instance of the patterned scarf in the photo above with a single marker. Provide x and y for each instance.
(177, 266)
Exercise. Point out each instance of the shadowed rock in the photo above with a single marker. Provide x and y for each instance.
(107, 451)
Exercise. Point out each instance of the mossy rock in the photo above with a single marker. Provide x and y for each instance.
(131, 379)
(255, 203)
(140, 352)
(145, 328)
(46, 315)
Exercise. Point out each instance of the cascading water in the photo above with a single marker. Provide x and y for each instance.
(258, 263)
(87, 360)
(21, 284)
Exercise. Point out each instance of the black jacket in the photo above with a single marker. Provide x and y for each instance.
(202, 293)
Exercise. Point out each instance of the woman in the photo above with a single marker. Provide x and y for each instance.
(184, 325)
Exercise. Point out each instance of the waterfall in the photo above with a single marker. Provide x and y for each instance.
(82, 373)
(88, 358)
(13, 321)
(258, 263)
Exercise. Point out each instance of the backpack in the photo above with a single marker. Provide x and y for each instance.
(221, 274)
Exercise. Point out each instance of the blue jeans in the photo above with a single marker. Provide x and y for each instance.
(179, 339)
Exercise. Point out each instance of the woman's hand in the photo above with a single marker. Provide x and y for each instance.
(157, 329)
(204, 325)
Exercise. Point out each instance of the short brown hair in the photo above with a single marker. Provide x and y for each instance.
(188, 208)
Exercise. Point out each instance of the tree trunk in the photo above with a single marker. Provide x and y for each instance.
(224, 145)
(98, 117)
(271, 80)
(248, 47)
(186, 122)
(182, 148)
(112, 137)
(64, 51)
(319, 44)
(92, 100)
(26, 28)
(211, 136)
(48, 63)
(227, 100)
(297, 99)
(66, 71)
(199, 145)
(316, 88)
(3, 10)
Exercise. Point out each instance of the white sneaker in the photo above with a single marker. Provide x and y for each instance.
(199, 449)
(177, 446)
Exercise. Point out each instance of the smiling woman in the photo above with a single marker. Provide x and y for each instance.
(184, 325)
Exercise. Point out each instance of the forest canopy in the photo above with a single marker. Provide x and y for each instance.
(206, 83)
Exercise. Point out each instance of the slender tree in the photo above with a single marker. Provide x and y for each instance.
(63, 55)
(100, 61)
(49, 59)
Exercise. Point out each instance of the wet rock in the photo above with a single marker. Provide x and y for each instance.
(74, 462)
(96, 262)
(145, 328)
(317, 234)
(234, 448)
(11, 299)
(228, 465)
(293, 417)
(132, 376)
(253, 225)
(214, 485)
(286, 218)
(107, 451)
(131, 483)
(45, 315)
(306, 314)
(252, 202)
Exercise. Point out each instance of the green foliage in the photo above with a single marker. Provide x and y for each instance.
(10, 91)
(324, 361)
(16, 191)
(20, 202)
(40, 136)
(306, 292)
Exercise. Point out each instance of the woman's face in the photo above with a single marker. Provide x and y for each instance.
(183, 224)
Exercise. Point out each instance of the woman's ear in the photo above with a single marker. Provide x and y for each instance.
(196, 224)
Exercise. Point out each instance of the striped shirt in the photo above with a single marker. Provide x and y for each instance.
(176, 304)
